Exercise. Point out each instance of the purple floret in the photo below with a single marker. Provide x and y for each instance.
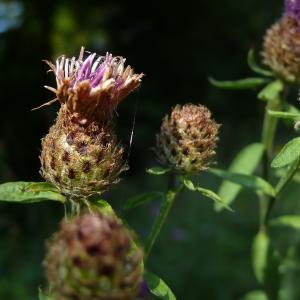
(292, 8)
(93, 69)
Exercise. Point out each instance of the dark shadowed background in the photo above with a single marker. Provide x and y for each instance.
(177, 44)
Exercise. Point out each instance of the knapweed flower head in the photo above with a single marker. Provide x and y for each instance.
(187, 139)
(93, 256)
(281, 48)
(81, 155)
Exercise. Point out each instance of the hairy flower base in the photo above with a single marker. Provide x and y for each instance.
(281, 49)
(93, 257)
(80, 160)
(187, 138)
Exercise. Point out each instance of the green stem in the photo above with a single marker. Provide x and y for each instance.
(165, 207)
(288, 177)
(283, 182)
(72, 207)
(268, 135)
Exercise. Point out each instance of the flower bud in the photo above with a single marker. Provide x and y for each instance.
(281, 48)
(187, 139)
(81, 155)
(93, 256)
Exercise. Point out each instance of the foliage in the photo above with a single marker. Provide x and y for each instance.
(224, 260)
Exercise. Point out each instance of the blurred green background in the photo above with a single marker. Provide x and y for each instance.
(177, 44)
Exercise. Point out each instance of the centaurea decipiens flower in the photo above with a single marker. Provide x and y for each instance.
(187, 139)
(93, 256)
(81, 155)
(281, 49)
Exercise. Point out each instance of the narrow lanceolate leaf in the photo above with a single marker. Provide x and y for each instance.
(242, 84)
(29, 192)
(260, 251)
(207, 193)
(265, 262)
(284, 115)
(245, 162)
(158, 171)
(291, 221)
(142, 198)
(271, 91)
(289, 153)
(158, 287)
(247, 181)
(255, 295)
(255, 67)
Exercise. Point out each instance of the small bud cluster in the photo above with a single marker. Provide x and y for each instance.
(93, 257)
(188, 138)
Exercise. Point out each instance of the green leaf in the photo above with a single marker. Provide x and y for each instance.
(254, 67)
(289, 153)
(266, 264)
(271, 91)
(158, 171)
(260, 252)
(292, 221)
(158, 287)
(283, 172)
(255, 295)
(43, 296)
(207, 193)
(140, 199)
(242, 84)
(245, 162)
(101, 205)
(284, 115)
(247, 181)
(29, 192)
(42, 187)
(290, 108)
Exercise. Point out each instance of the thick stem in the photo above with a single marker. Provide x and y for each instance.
(165, 207)
(268, 135)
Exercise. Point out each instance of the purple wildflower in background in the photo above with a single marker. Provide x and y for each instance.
(154, 211)
(292, 8)
(177, 234)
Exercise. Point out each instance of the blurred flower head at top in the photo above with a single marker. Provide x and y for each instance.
(292, 9)
(281, 47)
